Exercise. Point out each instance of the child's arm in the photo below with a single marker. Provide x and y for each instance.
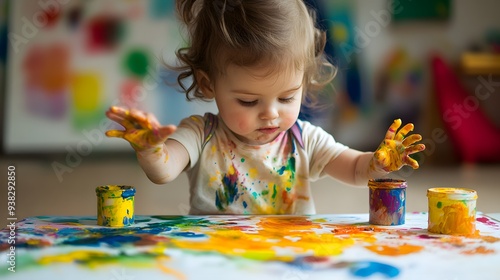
(162, 160)
(355, 167)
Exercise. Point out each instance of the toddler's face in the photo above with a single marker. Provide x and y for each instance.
(257, 107)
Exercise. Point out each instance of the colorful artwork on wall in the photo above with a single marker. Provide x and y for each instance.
(70, 61)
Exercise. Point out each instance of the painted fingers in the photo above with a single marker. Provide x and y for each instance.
(141, 129)
(394, 152)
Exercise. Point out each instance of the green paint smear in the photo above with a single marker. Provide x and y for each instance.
(183, 221)
(27, 262)
(274, 192)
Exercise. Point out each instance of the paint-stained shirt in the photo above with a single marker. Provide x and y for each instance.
(228, 176)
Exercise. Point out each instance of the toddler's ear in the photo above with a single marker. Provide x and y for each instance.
(205, 84)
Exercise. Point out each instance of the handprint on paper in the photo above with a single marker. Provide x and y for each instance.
(394, 152)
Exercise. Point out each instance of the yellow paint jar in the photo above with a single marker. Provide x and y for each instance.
(452, 211)
(115, 205)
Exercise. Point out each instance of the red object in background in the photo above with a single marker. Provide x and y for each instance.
(104, 33)
(51, 17)
(476, 137)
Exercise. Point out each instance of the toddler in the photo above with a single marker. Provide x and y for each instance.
(260, 60)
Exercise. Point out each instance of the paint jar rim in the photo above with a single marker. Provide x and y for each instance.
(387, 183)
(115, 189)
(452, 193)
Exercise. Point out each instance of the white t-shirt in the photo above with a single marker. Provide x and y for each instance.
(228, 176)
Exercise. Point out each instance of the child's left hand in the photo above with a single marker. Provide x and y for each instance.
(394, 152)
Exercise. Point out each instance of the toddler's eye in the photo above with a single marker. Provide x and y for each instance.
(247, 103)
(287, 100)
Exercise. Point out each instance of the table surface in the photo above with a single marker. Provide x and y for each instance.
(248, 247)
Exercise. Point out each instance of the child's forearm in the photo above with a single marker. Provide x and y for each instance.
(154, 162)
(354, 168)
(163, 164)
(365, 170)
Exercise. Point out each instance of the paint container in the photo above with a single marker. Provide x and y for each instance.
(452, 211)
(115, 205)
(387, 202)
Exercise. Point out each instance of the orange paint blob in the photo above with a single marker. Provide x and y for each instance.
(386, 250)
(479, 250)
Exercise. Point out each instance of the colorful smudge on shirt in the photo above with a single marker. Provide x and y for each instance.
(309, 243)
(229, 192)
(235, 189)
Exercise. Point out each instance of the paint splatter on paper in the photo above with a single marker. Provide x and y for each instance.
(267, 247)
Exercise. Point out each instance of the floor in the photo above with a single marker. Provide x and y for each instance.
(39, 190)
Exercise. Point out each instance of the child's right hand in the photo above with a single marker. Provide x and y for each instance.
(142, 130)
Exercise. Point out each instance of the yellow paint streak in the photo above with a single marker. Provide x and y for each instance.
(38, 242)
(286, 225)
(168, 270)
(82, 255)
(231, 170)
(295, 235)
(252, 173)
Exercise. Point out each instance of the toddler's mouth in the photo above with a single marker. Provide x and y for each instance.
(268, 130)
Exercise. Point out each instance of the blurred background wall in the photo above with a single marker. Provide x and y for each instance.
(64, 62)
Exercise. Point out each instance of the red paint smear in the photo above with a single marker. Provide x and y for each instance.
(488, 222)
(425, 236)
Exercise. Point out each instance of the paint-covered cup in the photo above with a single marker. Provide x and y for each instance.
(115, 205)
(452, 211)
(387, 202)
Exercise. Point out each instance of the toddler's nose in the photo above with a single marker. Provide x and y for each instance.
(269, 113)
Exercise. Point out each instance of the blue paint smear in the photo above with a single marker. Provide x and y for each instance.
(65, 220)
(281, 170)
(126, 193)
(188, 234)
(68, 231)
(127, 221)
(367, 269)
(113, 241)
(153, 230)
(229, 191)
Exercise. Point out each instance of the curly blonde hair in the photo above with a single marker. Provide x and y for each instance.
(279, 34)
